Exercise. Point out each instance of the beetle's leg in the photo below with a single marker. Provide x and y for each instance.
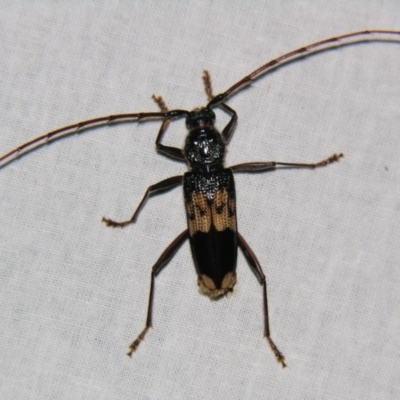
(169, 151)
(228, 130)
(264, 166)
(166, 184)
(165, 257)
(207, 84)
(256, 267)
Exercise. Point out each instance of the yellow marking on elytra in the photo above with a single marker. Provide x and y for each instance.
(207, 285)
(223, 211)
(199, 214)
(220, 212)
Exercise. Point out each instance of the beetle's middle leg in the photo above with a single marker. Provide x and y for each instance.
(256, 267)
(166, 184)
(268, 165)
(165, 257)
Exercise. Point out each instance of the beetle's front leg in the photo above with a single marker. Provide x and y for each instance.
(228, 130)
(166, 184)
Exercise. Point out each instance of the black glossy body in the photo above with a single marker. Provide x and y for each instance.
(209, 191)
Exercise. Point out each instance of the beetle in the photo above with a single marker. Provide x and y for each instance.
(208, 187)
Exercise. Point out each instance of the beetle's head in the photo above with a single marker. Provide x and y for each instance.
(200, 117)
(204, 145)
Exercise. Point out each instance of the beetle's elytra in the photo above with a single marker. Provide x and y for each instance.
(209, 188)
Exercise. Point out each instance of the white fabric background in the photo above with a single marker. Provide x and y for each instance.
(74, 294)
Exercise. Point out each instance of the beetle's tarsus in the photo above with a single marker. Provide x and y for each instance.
(135, 344)
(114, 224)
(279, 356)
(330, 160)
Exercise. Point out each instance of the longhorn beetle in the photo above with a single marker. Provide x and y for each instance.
(209, 189)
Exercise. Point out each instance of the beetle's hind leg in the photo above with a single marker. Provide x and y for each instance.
(165, 257)
(256, 267)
